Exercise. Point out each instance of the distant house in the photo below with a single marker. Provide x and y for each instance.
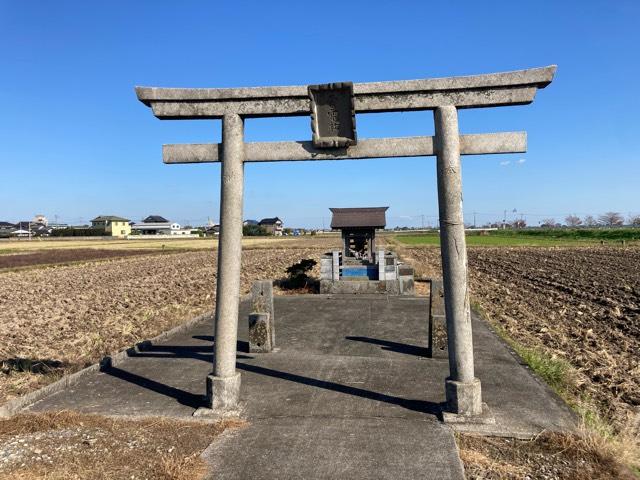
(157, 225)
(58, 226)
(21, 233)
(272, 226)
(211, 229)
(7, 229)
(249, 222)
(26, 228)
(113, 226)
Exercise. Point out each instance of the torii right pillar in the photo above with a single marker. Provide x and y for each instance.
(463, 390)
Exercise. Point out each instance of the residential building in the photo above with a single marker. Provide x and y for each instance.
(113, 226)
(59, 226)
(157, 225)
(211, 229)
(21, 233)
(273, 226)
(249, 222)
(26, 228)
(7, 229)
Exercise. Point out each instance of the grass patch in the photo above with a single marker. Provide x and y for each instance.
(539, 237)
(554, 371)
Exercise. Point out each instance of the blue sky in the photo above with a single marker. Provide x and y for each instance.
(75, 142)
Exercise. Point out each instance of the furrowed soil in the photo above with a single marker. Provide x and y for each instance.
(581, 305)
(574, 306)
(48, 257)
(58, 319)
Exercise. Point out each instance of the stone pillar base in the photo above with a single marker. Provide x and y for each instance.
(223, 393)
(464, 398)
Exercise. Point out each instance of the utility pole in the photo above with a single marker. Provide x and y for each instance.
(422, 221)
(504, 220)
(474, 219)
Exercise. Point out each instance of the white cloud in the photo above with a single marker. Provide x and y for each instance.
(505, 162)
(521, 161)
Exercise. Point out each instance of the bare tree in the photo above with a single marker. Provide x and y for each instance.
(548, 223)
(573, 221)
(634, 220)
(589, 221)
(611, 219)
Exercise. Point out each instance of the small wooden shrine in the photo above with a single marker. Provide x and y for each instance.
(358, 227)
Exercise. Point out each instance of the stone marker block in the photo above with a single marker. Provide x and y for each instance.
(260, 333)
(437, 298)
(262, 303)
(326, 267)
(336, 265)
(407, 285)
(380, 259)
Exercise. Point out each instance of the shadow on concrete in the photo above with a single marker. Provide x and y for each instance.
(197, 352)
(422, 406)
(241, 345)
(185, 398)
(393, 346)
(174, 351)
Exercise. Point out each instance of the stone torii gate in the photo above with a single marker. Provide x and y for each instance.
(332, 109)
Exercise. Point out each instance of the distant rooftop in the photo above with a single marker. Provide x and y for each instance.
(365, 217)
(155, 219)
(269, 221)
(109, 218)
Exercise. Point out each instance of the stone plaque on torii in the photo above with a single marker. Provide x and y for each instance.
(332, 109)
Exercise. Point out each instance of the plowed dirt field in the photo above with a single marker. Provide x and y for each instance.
(579, 304)
(57, 319)
(73, 255)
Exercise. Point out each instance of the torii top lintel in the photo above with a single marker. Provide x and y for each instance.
(492, 90)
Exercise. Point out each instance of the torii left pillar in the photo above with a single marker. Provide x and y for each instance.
(223, 385)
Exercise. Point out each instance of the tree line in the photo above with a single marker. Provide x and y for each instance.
(608, 219)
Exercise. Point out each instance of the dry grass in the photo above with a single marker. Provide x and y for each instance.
(68, 446)
(551, 455)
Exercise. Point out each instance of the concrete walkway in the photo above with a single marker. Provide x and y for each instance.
(350, 393)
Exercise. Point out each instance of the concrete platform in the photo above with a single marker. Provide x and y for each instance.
(350, 392)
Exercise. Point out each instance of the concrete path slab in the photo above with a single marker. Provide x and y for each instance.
(346, 448)
(350, 380)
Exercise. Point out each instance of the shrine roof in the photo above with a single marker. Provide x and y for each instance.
(364, 217)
